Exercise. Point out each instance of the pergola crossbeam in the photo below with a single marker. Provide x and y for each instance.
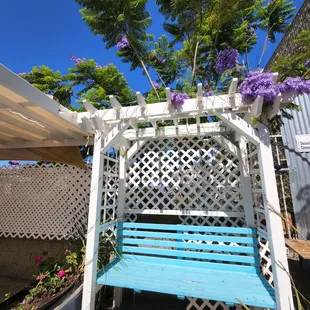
(240, 126)
(172, 131)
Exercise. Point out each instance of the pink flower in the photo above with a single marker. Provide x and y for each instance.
(61, 273)
(41, 277)
(38, 259)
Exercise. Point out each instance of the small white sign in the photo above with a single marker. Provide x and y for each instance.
(303, 143)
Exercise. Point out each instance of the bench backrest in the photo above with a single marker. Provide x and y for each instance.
(227, 248)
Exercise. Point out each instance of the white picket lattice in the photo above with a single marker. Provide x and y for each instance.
(187, 174)
(204, 304)
(260, 219)
(44, 201)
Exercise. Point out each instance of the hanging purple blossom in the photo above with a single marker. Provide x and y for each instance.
(76, 60)
(227, 59)
(307, 64)
(160, 61)
(259, 84)
(250, 28)
(156, 85)
(296, 84)
(123, 44)
(208, 93)
(108, 64)
(178, 98)
(98, 66)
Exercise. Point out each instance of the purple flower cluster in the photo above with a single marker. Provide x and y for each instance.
(123, 44)
(178, 98)
(156, 85)
(208, 93)
(297, 85)
(250, 28)
(76, 60)
(227, 59)
(22, 73)
(307, 64)
(259, 84)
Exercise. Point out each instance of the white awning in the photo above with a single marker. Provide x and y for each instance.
(30, 119)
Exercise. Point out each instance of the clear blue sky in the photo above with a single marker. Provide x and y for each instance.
(37, 32)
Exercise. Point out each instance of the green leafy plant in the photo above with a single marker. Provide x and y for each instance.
(55, 275)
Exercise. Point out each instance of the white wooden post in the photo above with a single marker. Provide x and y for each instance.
(282, 283)
(118, 291)
(92, 242)
(122, 185)
(245, 179)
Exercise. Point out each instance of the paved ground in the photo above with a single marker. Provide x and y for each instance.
(10, 285)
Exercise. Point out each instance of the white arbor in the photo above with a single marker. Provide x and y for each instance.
(239, 174)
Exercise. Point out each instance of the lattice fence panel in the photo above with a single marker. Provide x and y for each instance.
(259, 213)
(204, 304)
(189, 174)
(44, 201)
(110, 182)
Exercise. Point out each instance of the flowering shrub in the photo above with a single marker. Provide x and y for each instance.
(259, 84)
(227, 59)
(208, 93)
(156, 85)
(76, 60)
(53, 276)
(123, 44)
(296, 85)
(178, 98)
(61, 273)
(38, 259)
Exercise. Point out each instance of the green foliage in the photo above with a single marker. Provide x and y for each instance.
(99, 82)
(274, 17)
(111, 19)
(293, 65)
(95, 84)
(50, 82)
(54, 275)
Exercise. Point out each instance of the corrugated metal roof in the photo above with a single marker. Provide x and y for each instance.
(299, 163)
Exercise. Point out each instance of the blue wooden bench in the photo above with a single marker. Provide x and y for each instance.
(216, 263)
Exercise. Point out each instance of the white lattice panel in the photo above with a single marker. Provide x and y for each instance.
(44, 201)
(260, 219)
(109, 188)
(192, 174)
(204, 304)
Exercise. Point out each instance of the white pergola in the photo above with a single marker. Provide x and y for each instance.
(118, 127)
(31, 120)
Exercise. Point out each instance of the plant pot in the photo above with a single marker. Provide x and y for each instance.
(57, 297)
(9, 302)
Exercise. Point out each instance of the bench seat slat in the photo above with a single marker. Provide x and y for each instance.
(187, 281)
(192, 254)
(188, 245)
(197, 274)
(192, 228)
(191, 263)
(163, 235)
(189, 275)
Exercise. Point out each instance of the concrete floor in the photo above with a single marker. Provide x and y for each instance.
(10, 285)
